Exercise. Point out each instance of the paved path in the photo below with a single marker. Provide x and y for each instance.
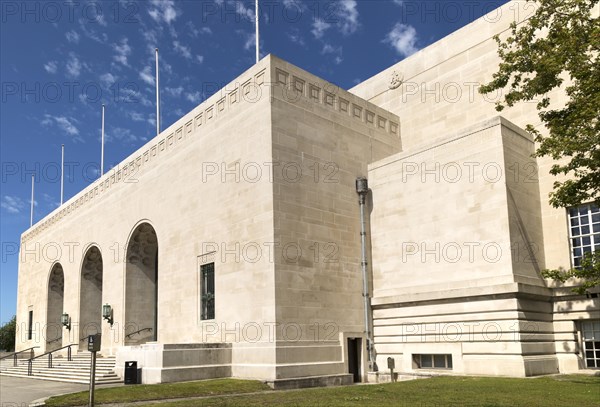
(19, 392)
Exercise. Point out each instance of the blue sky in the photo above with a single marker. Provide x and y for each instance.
(61, 60)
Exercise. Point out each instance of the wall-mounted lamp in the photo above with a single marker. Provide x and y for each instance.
(65, 319)
(107, 313)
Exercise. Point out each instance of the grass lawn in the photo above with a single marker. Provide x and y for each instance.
(556, 391)
(159, 392)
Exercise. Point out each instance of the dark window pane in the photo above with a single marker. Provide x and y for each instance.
(450, 361)
(575, 232)
(574, 221)
(596, 217)
(594, 208)
(577, 252)
(596, 228)
(207, 272)
(439, 361)
(573, 211)
(584, 220)
(586, 241)
(583, 210)
(426, 361)
(585, 230)
(589, 354)
(576, 242)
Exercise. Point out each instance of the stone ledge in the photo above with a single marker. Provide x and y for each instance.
(311, 381)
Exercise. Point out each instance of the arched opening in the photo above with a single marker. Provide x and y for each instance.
(141, 286)
(90, 295)
(56, 296)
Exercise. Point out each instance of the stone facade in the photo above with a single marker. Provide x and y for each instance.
(258, 181)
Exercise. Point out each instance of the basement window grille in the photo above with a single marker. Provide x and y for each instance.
(207, 290)
(432, 361)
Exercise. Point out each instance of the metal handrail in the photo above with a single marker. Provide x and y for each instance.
(55, 339)
(138, 331)
(21, 351)
(30, 361)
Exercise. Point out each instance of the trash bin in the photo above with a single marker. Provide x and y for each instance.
(131, 373)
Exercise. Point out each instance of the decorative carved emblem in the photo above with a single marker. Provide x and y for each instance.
(396, 80)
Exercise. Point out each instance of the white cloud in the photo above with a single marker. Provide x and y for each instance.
(195, 32)
(250, 40)
(195, 97)
(136, 116)
(120, 134)
(72, 36)
(403, 38)
(123, 51)
(399, 2)
(73, 65)
(175, 92)
(108, 79)
(51, 67)
(243, 11)
(182, 50)
(147, 76)
(66, 124)
(336, 52)
(200, 59)
(163, 11)
(12, 204)
(319, 27)
(89, 32)
(50, 200)
(347, 15)
(343, 14)
(295, 35)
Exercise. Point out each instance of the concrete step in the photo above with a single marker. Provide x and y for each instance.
(76, 370)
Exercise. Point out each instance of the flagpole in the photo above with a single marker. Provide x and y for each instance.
(62, 173)
(31, 213)
(257, 31)
(157, 98)
(102, 147)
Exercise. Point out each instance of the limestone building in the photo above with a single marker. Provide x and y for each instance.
(229, 245)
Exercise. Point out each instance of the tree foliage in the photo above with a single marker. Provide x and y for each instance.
(588, 273)
(558, 46)
(8, 334)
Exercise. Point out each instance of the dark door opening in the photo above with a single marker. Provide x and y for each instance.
(354, 358)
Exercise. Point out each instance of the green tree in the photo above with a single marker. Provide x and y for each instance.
(8, 334)
(559, 46)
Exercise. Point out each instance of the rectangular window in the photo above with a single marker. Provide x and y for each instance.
(584, 230)
(30, 326)
(207, 291)
(590, 335)
(433, 361)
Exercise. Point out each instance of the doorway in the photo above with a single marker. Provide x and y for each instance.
(354, 358)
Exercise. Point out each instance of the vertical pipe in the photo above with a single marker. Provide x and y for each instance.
(32, 188)
(102, 147)
(362, 189)
(157, 97)
(62, 174)
(256, 19)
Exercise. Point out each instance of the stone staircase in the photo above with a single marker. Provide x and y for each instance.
(75, 371)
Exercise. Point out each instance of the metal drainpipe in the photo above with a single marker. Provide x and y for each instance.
(362, 188)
